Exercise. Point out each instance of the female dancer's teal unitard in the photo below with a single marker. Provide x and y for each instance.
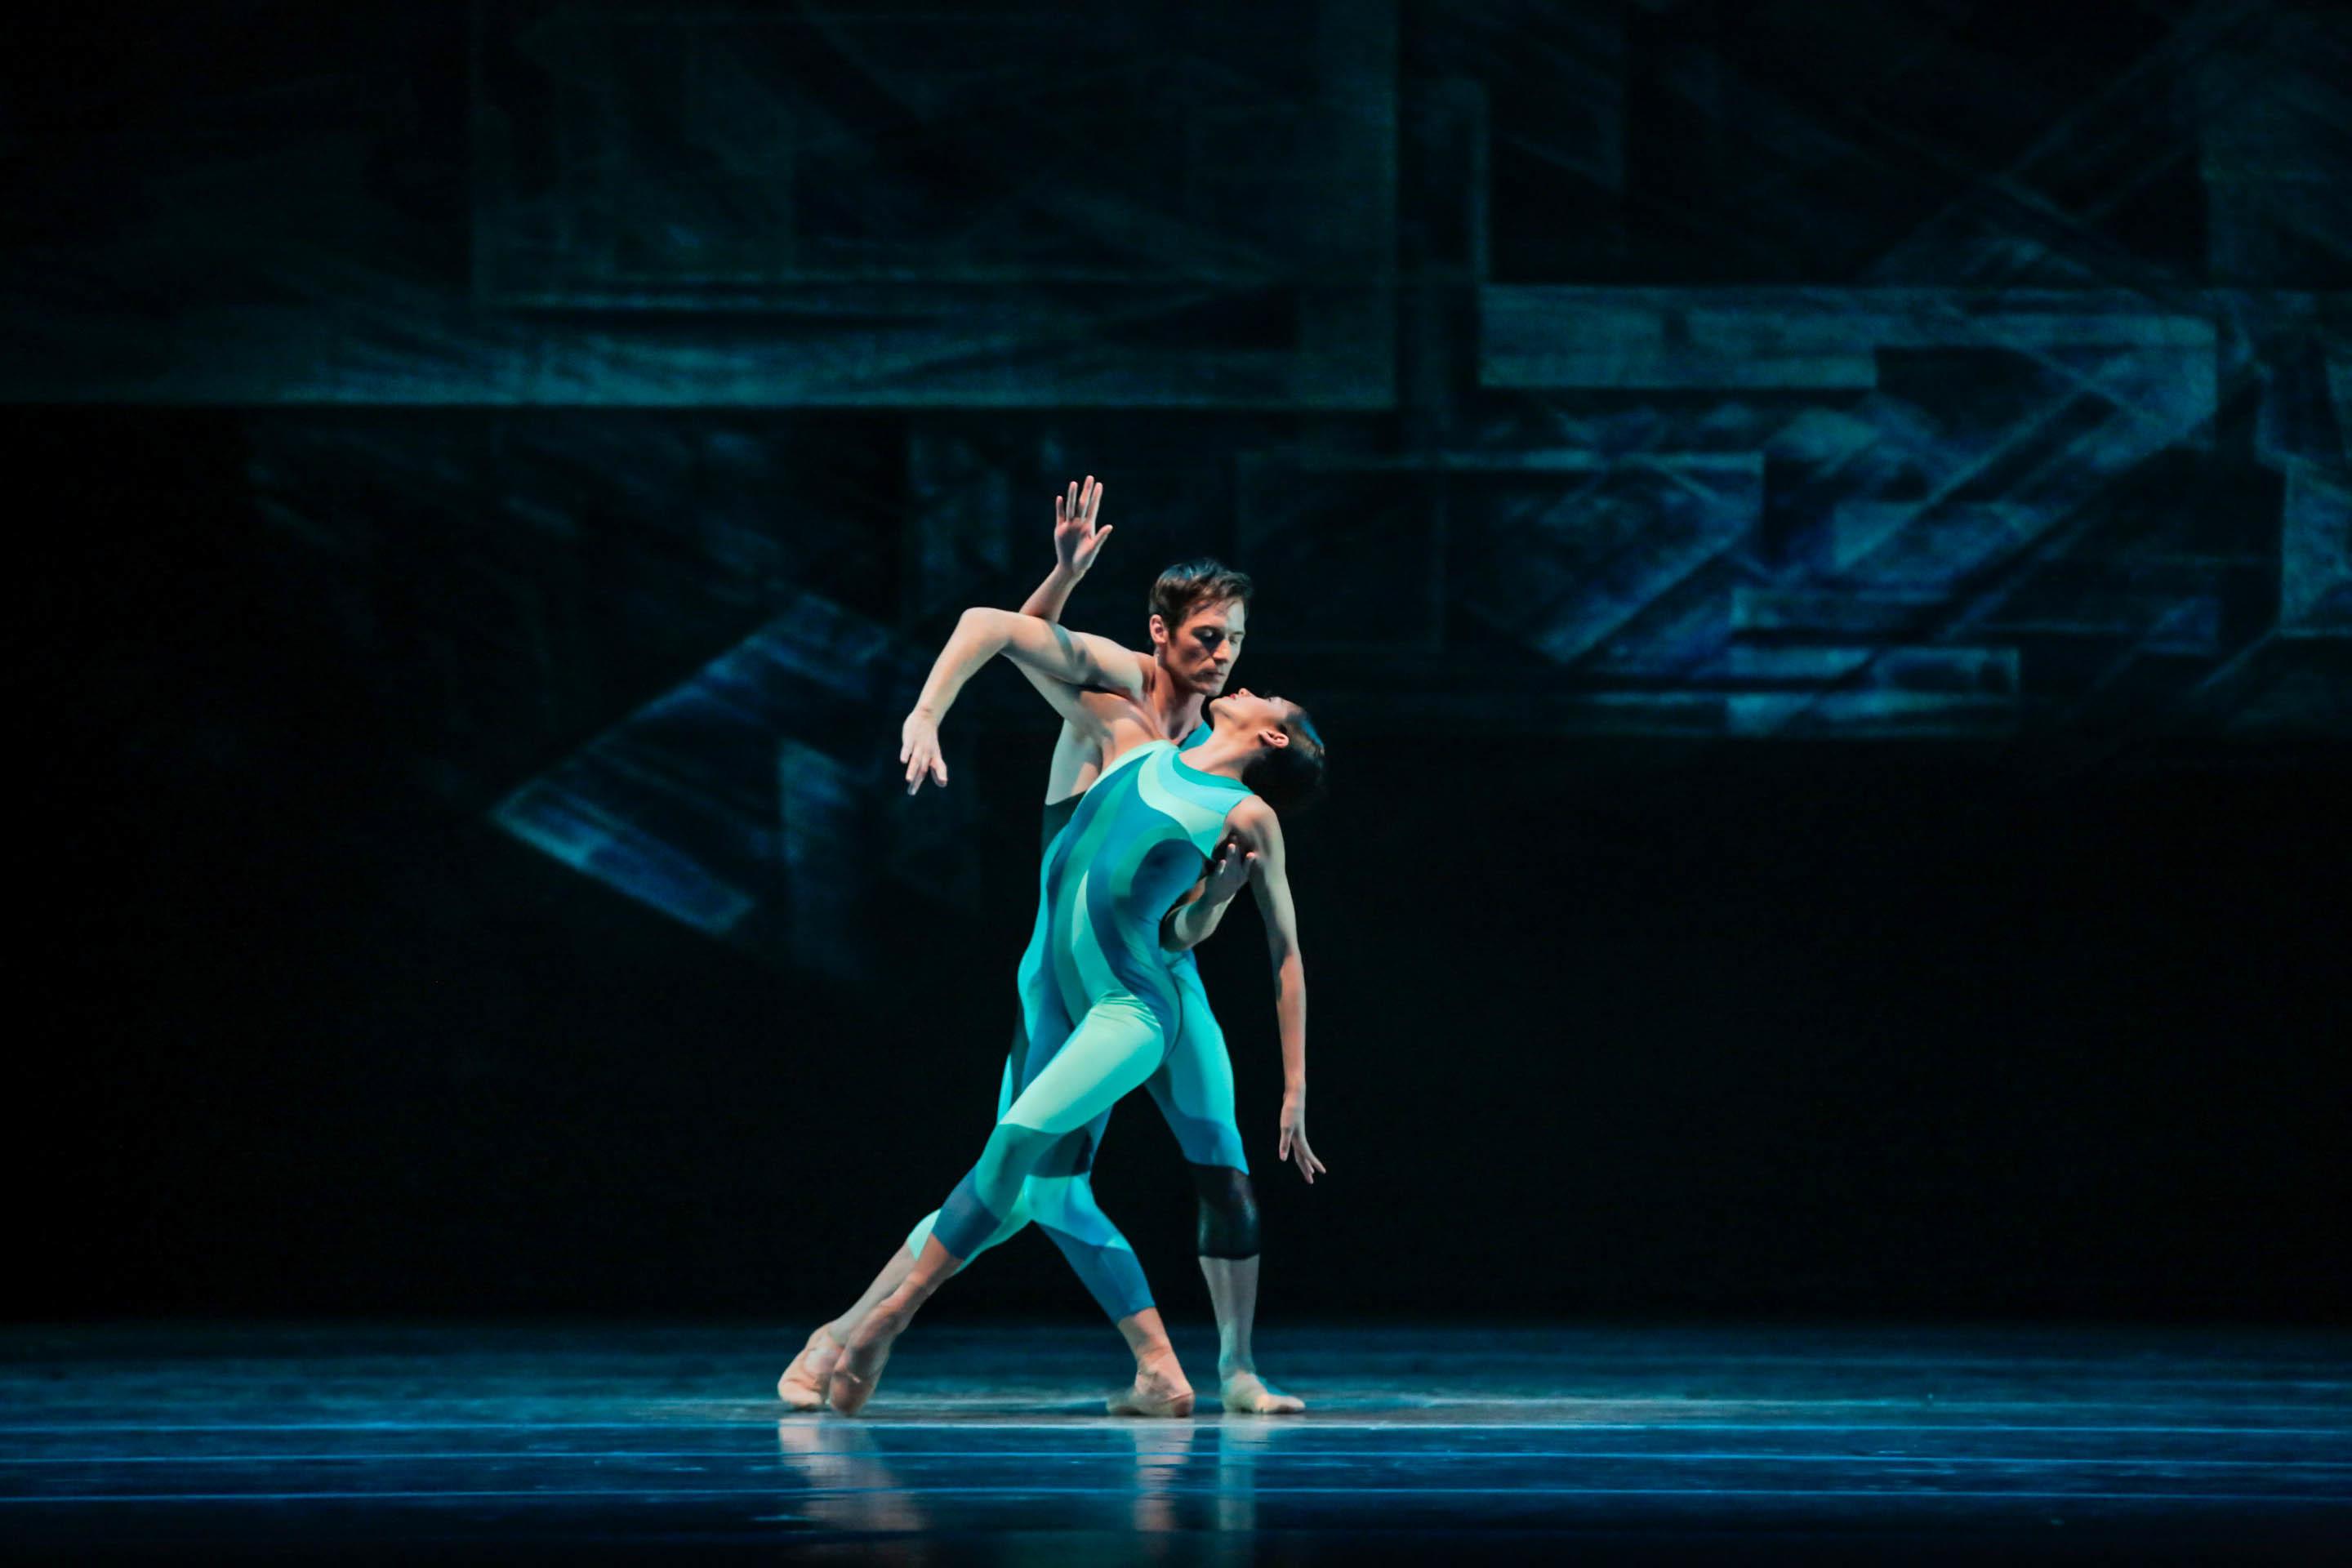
(1101, 1007)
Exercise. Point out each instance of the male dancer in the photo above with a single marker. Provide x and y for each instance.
(1099, 1000)
(1199, 622)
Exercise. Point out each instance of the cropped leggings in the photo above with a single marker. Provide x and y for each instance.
(1052, 1111)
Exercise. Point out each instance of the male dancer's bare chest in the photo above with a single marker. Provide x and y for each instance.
(1121, 724)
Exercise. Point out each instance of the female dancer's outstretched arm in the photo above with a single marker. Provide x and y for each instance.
(1257, 828)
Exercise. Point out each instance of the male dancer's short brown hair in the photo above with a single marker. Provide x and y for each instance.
(1186, 585)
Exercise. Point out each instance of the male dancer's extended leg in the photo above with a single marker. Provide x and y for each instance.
(1114, 1048)
(1194, 1090)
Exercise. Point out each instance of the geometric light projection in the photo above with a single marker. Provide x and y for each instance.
(1674, 369)
(754, 801)
(1929, 465)
(875, 190)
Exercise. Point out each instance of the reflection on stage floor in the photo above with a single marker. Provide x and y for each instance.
(186, 1443)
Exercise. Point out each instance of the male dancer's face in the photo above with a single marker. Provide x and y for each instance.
(1202, 651)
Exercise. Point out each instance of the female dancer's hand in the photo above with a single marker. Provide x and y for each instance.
(919, 748)
(1294, 1138)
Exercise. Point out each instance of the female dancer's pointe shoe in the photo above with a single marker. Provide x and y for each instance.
(1155, 1393)
(803, 1384)
(859, 1367)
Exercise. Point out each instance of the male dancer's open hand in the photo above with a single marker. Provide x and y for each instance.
(1294, 1138)
(919, 748)
(1077, 540)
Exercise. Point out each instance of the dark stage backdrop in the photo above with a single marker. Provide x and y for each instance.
(1821, 538)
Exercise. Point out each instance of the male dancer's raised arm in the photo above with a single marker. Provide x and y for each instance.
(1078, 748)
(1077, 543)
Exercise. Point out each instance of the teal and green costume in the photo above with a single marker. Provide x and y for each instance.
(1104, 1011)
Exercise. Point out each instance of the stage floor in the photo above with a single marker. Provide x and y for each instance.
(989, 1445)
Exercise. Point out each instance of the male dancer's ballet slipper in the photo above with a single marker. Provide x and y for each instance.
(803, 1384)
(1246, 1393)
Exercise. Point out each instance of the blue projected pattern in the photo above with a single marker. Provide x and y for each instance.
(748, 803)
(1690, 369)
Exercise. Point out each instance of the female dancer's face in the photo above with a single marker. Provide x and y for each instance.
(1244, 709)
